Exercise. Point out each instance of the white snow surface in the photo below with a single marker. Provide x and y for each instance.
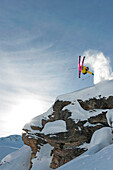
(18, 160)
(109, 117)
(43, 159)
(104, 88)
(54, 127)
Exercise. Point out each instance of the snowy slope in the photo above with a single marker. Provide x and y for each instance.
(102, 160)
(18, 160)
(43, 159)
(104, 88)
(10, 144)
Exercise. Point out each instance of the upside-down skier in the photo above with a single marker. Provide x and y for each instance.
(83, 68)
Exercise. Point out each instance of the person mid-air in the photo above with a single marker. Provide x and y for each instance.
(83, 68)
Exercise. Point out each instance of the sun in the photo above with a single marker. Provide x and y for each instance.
(24, 109)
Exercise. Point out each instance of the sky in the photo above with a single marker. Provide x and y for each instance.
(40, 42)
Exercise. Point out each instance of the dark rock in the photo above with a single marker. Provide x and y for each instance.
(101, 118)
(102, 103)
(59, 105)
(36, 128)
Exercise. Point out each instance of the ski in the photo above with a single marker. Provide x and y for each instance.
(81, 66)
(82, 62)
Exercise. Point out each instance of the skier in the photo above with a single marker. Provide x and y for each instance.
(85, 70)
(82, 68)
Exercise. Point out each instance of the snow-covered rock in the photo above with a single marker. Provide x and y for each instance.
(54, 127)
(76, 122)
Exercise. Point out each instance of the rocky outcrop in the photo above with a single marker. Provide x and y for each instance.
(94, 103)
(66, 144)
(34, 141)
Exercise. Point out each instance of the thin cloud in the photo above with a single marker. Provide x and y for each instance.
(100, 64)
(25, 82)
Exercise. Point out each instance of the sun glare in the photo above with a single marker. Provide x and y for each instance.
(22, 112)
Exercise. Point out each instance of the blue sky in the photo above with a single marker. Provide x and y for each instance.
(40, 42)
(75, 24)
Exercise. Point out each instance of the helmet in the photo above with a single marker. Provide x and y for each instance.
(87, 68)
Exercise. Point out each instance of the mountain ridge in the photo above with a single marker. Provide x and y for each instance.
(10, 144)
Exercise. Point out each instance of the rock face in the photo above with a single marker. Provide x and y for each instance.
(102, 103)
(66, 144)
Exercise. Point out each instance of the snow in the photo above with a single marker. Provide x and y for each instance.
(102, 160)
(5, 150)
(78, 113)
(43, 158)
(102, 89)
(18, 160)
(10, 144)
(109, 117)
(93, 125)
(12, 140)
(103, 137)
(54, 127)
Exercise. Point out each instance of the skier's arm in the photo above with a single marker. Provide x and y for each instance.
(90, 72)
